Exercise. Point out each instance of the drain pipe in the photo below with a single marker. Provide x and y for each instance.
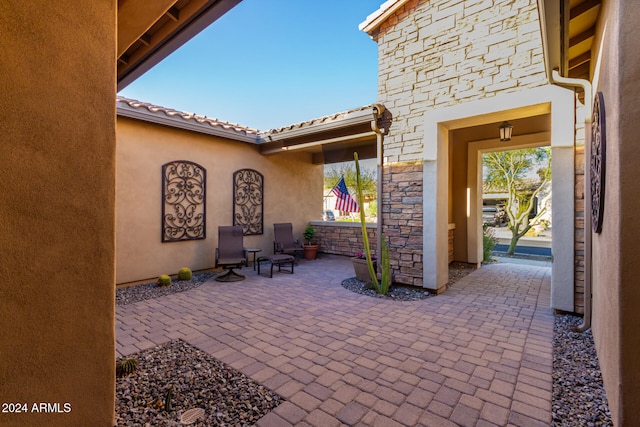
(379, 139)
(588, 102)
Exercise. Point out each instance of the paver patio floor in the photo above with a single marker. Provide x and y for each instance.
(480, 354)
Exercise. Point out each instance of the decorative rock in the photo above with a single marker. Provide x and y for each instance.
(579, 398)
(215, 388)
(191, 416)
(146, 291)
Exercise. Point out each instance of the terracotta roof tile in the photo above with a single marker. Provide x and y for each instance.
(316, 121)
(230, 128)
(188, 116)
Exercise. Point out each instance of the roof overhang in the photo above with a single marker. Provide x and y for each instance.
(329, 139)
(568, 31)
(149, 31)
(376, 19)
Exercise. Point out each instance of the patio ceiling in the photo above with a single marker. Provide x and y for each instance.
(149, 31)
(569, 28)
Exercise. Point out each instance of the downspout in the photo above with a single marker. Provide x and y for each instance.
(379, 150)
(586, 86)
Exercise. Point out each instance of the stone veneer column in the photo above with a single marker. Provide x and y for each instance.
(435, 54)
(403, 220)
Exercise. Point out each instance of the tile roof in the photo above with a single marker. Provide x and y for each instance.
(194, 119)
(320, 120)
(170, 117)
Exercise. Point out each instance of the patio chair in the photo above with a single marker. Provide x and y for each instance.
(230, 253)
(283, 242)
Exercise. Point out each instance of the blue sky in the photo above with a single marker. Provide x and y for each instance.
(270, 63)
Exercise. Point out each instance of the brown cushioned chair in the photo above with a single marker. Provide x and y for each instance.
(230, 253)
(283, 242)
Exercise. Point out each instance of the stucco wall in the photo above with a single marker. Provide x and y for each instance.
(57, 206)
(616, 296)
(292, 193)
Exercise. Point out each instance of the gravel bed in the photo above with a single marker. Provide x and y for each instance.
(196, 380)
(407, 293)
(395, 292)
(136, 293)
(579, 398)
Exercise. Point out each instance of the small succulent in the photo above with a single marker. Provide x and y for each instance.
(184, 274)
(126, 366)
(164, 280)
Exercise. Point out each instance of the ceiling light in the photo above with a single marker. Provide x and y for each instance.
(505, 131)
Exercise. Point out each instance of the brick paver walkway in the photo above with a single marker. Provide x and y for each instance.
(477, 355)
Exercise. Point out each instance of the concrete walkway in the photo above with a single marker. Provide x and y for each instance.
(480, 354)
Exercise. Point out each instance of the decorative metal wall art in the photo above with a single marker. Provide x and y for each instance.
(248, 187)
(183, 201)
(598, 161)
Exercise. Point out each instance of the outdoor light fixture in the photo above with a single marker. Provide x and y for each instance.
(505, 131)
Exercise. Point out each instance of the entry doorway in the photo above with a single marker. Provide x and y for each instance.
(443, 158)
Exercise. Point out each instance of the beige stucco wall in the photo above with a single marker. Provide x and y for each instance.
(292, 193)
(616, 295)
(57, 207)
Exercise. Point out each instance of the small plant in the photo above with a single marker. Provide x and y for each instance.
(184, 274)
(167, 400)
(164, 280)
(489, 242)
(126, 366)
(386, 268)
(309, 233)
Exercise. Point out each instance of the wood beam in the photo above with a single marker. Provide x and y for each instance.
(582, 36)
(579, 60)
(174, 14)
(145, 39)
(583, 7)
(135, 17)
(581, 71)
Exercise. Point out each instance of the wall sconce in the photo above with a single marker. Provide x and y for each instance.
(505, 131)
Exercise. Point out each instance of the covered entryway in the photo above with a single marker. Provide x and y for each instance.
(453, 192)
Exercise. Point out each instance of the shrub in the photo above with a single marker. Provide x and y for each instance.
(164, 280)
(309, 233)
(489, 242)
(184, 274)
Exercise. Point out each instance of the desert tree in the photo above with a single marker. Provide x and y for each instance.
(522, 174)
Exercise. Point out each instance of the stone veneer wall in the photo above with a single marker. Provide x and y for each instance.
(438, 53)
(579, 213)
(343, 238)
(402, 220)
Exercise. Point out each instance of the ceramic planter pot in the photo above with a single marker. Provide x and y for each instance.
(361, 269)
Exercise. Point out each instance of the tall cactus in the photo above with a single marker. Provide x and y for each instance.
(383, 286)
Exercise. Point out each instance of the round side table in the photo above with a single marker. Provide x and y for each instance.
(253, 251)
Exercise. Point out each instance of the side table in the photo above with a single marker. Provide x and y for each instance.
(253, 251)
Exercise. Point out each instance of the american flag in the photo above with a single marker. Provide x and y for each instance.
(344, 203)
